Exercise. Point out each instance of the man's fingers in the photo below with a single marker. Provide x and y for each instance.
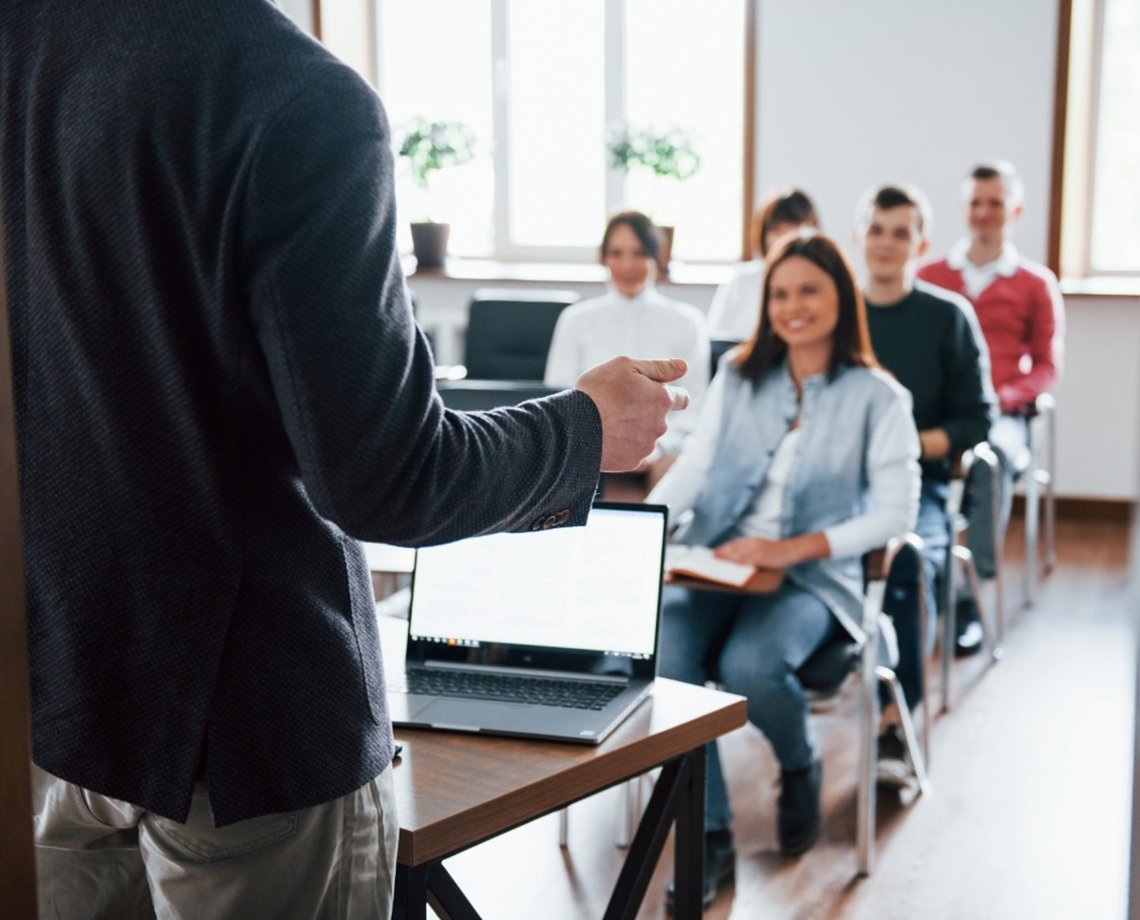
(663, 370)
(679, 397)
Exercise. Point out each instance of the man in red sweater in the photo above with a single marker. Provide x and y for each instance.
(1019, 308)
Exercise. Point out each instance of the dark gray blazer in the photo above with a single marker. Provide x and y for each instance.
(219, 389)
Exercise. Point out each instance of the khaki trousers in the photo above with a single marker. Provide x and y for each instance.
(100, 857)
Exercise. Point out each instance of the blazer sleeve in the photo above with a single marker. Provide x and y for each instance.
(349, 369)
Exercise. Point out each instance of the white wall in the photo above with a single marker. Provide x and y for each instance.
(855, 94)
(1098, 400)
(300, 11)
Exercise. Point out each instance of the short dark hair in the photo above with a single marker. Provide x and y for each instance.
(1006, 172)
(642, 228)
(781, 206)
(887, 197)
(851, 341)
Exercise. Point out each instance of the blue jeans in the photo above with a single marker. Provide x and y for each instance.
(752, 644)
(901, 603)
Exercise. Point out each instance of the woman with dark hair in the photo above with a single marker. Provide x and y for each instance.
(633, 318)
(804, 458)
(736, 303)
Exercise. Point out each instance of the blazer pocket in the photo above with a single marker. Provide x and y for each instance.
(363, 605)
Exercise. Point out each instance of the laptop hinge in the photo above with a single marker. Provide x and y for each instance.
(522, 672)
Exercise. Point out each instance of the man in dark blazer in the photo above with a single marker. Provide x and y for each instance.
(219, 390)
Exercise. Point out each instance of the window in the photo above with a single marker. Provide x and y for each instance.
(542, 85)
(1100, 232)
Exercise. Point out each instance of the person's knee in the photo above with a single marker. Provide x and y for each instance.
(760, 678)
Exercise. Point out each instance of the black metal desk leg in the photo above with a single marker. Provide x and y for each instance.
(689, 842)
(411, 893)
(431, 884)
(678, 797)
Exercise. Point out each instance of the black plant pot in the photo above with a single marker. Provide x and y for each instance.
(429, 243)
(665, 254)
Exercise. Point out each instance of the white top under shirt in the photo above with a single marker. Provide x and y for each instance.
(763, 518)
(649, 325)
(683, 484)
(735, 308)
(977, 278)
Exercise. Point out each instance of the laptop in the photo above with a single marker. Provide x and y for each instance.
(550, 634)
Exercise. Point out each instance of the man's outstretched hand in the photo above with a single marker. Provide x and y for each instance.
(633, 400)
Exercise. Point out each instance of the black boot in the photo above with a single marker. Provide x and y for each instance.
(971, 636)
(798, 817)
(720, 868)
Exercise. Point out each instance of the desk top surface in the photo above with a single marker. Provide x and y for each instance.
(454, 789)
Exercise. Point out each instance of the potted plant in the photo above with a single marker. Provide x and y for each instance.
(428, 146)
(667, 153)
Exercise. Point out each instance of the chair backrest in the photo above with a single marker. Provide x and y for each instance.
(717, 348)
(509, 332)
(828, 667)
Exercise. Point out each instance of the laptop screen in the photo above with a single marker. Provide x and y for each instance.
(550, 599)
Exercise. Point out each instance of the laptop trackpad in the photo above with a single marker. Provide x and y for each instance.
(473, 715)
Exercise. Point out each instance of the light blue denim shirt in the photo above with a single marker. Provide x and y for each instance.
(854, 474)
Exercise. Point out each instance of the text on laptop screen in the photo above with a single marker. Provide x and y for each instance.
(593, 588)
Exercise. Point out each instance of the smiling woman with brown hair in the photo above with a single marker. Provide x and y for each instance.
(803, 459)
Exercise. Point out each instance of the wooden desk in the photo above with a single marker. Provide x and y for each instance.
(457, 790)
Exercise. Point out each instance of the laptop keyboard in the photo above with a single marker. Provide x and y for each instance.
(569, 694)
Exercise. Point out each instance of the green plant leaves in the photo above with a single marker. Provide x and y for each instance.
(432, 145)
(669, 152)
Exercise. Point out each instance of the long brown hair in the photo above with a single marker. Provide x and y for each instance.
(851, 342)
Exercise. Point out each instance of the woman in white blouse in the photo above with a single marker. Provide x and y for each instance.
(735, 306)
(633, 318)
(804, 458)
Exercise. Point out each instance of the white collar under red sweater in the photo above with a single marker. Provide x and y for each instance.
(976, 278)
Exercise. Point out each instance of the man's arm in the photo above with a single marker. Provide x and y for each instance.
(351, 372)
(969, 396)
(1046, 339)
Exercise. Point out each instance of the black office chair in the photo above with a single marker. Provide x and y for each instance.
(717, 348)
(509, 332)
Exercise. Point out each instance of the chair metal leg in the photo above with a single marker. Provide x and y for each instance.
(1032, 516)
(631, 808)
(949, 620)
(966, 558)
(1050, 472)
(630, 814)
(868, 734)
(888, 677)
(923, 637)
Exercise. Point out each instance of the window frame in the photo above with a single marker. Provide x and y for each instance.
(1076, 141)
(502, 246)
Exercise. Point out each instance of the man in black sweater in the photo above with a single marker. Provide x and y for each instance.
(930, 340)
